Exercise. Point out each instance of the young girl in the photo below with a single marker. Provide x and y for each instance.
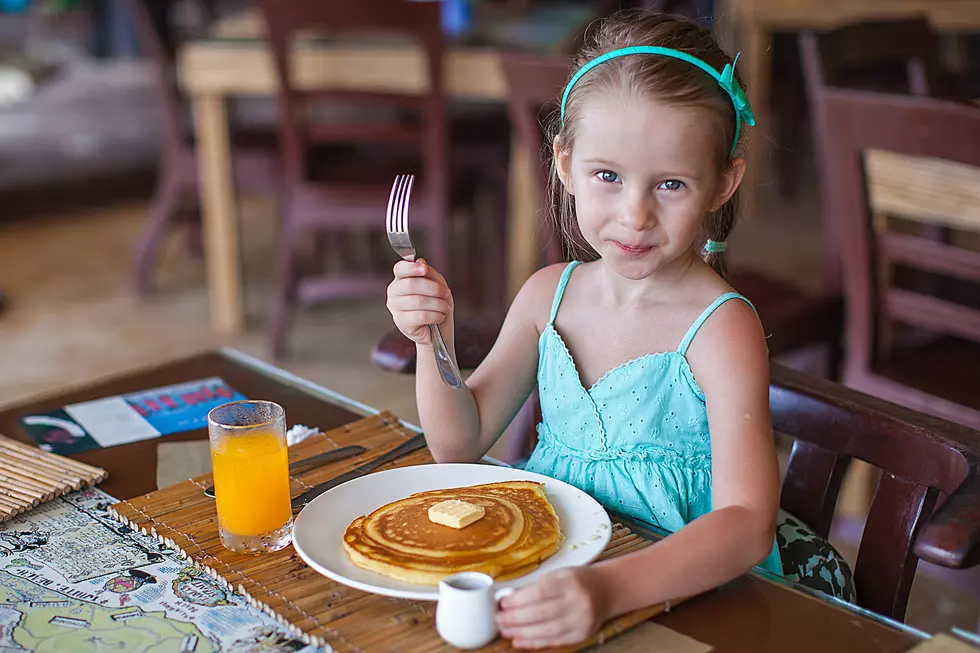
(646, 166)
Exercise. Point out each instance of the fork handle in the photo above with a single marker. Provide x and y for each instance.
(444, 362)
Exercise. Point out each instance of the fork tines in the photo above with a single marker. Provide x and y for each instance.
(396, 218)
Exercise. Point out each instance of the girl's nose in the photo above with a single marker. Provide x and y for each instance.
(638, 213)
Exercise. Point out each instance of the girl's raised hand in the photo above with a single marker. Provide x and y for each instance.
(418, 296)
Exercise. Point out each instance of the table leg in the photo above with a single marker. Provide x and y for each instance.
(223, 258)
(756, 72)
(523, 221)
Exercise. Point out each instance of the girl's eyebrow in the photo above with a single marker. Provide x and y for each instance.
(604, 162)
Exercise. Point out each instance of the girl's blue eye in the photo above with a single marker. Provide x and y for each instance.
(607, 176)
(671, 184)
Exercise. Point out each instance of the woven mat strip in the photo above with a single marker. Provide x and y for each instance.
(30, 476)
(311, 606)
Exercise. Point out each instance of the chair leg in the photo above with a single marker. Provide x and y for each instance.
(285, 292)
(144, 260)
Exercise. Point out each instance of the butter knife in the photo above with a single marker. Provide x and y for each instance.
(405, 448)
(319, 459)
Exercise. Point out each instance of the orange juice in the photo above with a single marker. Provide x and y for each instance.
(251, 482)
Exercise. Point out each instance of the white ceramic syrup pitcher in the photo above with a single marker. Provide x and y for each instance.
(466, 615)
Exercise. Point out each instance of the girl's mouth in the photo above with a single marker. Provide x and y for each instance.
(632, 250)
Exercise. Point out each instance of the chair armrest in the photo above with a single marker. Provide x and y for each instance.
(474, 338)
(951, 538)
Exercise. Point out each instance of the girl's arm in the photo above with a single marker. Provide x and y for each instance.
(462, 425)
(730, 361)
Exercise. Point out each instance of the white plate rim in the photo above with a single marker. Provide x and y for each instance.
(430, 593)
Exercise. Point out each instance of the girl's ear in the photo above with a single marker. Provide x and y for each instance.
(730, 180)
(562, 165)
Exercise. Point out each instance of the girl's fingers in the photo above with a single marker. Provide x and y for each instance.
(419, 286)
(419, 268)
(431, 272)
(413, 320)
(405, 269)
(521, 616)
(531, 594)
(418, 303)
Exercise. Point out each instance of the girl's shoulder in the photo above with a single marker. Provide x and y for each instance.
(535, 298)
(729, 339)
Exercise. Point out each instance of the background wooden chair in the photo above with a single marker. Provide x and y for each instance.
(255, 155)
(927, 501)
(339, 172)
(898, 162)
(897, 56)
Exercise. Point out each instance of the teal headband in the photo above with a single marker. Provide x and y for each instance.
(725, 79)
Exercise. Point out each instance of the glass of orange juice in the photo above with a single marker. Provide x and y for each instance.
(250, 461)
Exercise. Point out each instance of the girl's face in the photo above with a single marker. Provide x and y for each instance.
(644, 174)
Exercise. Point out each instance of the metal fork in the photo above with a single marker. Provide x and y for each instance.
(396, 224)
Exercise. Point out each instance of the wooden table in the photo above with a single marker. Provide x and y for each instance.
(237, 62)
(749, 615)
(748, 25)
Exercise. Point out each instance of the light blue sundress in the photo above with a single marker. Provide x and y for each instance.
(638, 441)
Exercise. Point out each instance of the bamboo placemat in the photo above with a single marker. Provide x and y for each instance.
(30, 477)
(311, 606)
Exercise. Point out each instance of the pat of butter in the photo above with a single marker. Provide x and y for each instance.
(455, 513)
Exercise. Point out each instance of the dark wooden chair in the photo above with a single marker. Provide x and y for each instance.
(927, 502)
(886, 153)
(898, 56)
(255, 155)
(339, 172)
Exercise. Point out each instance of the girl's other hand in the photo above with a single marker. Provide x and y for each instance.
(418, 296)
(566, 606)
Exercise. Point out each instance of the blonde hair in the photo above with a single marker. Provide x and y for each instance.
(666, 79)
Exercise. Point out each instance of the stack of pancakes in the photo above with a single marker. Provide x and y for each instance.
(518, 531)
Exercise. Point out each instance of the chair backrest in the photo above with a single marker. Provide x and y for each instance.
(917, 159)
(922, 459)
(534, 87)
(419, 21)
(899, 56)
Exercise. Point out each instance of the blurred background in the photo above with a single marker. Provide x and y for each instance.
(179, 175)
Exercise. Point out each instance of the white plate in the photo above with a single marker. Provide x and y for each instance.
(320, 526)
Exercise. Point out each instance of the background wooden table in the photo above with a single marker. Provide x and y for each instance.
(749, 615)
